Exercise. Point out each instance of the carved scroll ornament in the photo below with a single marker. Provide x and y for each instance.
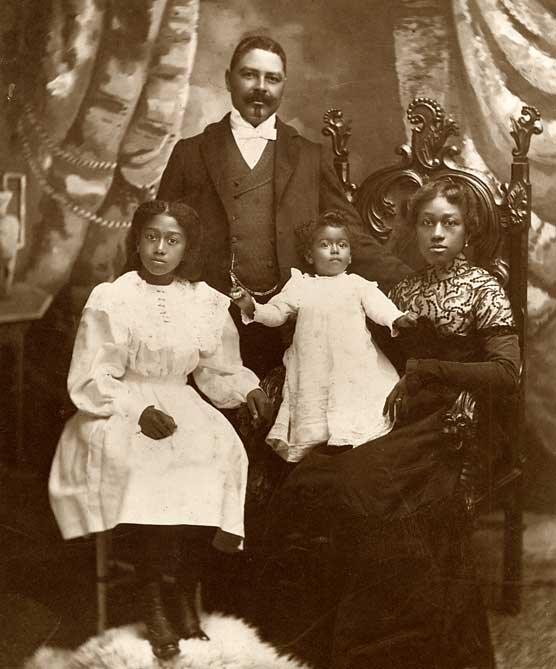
(432, 128)
(523, 129)
(517, 193)
(339, 130)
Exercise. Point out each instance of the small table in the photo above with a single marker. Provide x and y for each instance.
(25, 304)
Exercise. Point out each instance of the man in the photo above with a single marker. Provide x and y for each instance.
(254, 180)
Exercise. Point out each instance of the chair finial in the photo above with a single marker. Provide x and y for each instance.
(339, 129)
(527, 125)
(432, 129)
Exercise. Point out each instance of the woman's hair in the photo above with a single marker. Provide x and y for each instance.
(305, 235)
(188, 220)
(456, 192)
(251, 42)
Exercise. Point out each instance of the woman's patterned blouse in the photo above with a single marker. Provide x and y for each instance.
(459, 299)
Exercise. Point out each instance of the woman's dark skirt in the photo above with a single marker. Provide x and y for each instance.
(367, 560)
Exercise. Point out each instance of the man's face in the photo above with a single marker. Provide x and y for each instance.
(256, 85)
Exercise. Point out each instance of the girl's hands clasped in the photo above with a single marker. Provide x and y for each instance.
(156, 424)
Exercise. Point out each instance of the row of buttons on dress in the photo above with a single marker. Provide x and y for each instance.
(161, 303)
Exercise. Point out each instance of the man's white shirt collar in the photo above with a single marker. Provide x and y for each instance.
(252, 141)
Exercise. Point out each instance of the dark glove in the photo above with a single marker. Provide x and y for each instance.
(156, 424)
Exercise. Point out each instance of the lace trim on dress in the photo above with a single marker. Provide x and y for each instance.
(460, 299)
(119, 301)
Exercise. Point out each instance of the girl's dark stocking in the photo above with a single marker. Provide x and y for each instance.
(155, 548)
(194, 546)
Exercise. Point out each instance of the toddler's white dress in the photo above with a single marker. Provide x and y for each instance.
(337, 380)
(135, 347)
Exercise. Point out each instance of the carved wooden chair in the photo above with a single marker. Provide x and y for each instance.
(495, 480)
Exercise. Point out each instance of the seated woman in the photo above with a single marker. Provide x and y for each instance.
(144, 448)
(409, 597)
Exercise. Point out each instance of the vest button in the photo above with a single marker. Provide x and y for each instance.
(233, 239)
(270, 263)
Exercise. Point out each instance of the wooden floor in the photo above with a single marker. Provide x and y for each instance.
(528, 640)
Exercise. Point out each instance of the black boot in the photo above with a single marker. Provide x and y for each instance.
(189, 618)
(160, 633)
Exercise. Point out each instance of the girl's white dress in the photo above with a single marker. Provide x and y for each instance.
(135, 346)
(337, 380)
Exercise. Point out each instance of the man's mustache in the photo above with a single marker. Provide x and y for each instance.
(259, 96)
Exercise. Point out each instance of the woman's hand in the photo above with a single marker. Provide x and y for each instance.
(243, 300)
(156, 424)
(259, 405)
(396, 402)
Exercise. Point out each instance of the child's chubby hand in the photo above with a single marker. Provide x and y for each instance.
(243, 300)
(408, 320)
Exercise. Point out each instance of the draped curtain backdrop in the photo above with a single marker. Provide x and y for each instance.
(97, 123)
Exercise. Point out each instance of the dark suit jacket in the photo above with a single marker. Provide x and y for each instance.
(304, 185)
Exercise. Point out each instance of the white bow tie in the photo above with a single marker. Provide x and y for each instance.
(250, 132)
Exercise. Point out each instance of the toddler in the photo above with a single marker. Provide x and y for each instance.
(336, 378)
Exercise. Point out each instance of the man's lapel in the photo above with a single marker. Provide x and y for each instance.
(287, 155)
(213, 149)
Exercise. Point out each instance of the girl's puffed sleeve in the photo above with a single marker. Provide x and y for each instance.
(99, 361)
(220, 374)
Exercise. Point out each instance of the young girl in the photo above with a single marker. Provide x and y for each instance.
(144, 448)
(336, 379)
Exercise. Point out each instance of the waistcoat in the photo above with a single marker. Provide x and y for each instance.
(252, 225)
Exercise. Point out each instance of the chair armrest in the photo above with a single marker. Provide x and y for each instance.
(460, 421)
(264, 474)
(460, 426)
(272, 385)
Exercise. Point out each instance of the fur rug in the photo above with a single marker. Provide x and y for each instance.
(233, 645)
